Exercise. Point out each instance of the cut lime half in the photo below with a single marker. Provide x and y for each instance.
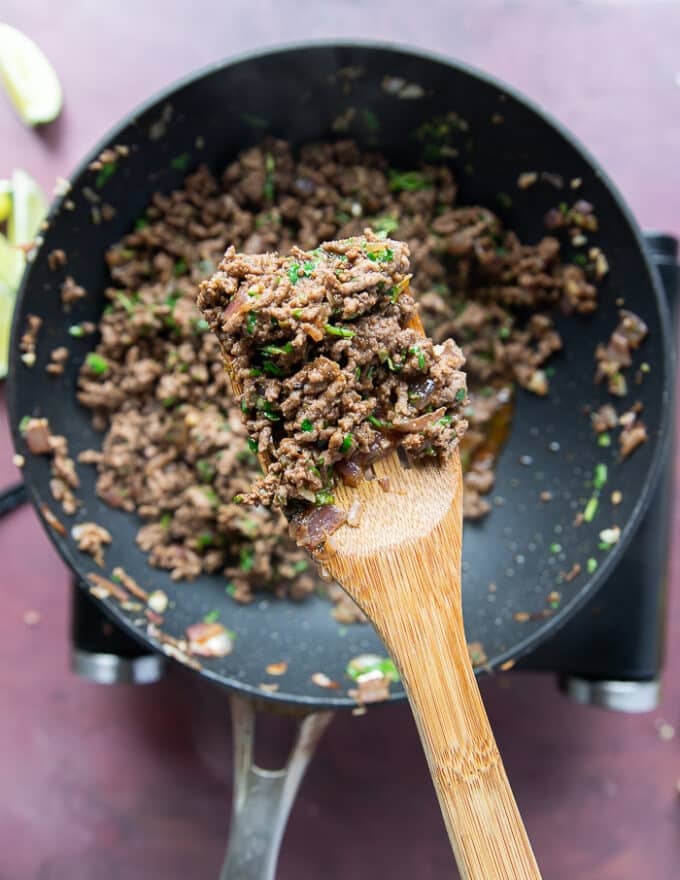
(28, 209)
(28, 77)
(6, 310)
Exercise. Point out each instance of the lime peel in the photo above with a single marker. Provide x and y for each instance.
(28, 77)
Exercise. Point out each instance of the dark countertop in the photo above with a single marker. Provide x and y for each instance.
(108, 782)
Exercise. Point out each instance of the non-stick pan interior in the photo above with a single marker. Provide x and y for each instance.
(389, 99)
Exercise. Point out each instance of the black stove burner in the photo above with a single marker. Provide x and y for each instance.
(609, 654)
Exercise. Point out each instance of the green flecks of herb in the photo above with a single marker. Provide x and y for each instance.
(171, 324)
(294, 273)
(445, 420)
(297, 314)
(591, 509)
(211, 495)
(378, 423)
(169, 402)
(253, 292)
(108, 169)
(600, 476)
(206, 470)
(76, 331)
(128, 253)
(342, 217)
(268, 187)
(486, 391)
(252, 444)
(265, 407)
(211, 616)
(251, 321)
(127, 302)
(230, 589)
(355, 668)
(23, 424)
(504, 332)
(408, 181)
(604, 440)
(270, 350)
(300, 566)
(591, 565)
(246, 559)
(306, 425)
(357, 373)
(604, 545)
(580, 259)
(309, 267)
(563, 208)
(272, 369)
(141, 223)
(395, 292)
(204, 540)
(384, 224)
(97, 363)
(165, 520)
(238, 498)
(180, 267)
(347, 443)
(504, 200)
(255, 371)
(181, 162)
(383, 255)
(324, 496)
(173, 298)
(244, 406)
(461, 394)
(344, 332)
(555, 548)
(549, 372)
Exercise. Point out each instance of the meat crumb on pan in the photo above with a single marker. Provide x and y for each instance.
(71, 292)
(56, 259)
(91, 538)
(331, 373)
(615, 357)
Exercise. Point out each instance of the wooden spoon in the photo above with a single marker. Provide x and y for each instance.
(402, 567)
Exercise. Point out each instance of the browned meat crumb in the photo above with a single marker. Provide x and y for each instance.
(91, 538)
(40, 441)
(37, 435)
(58, 358)
(102, 588)
(604, 419)
(130, 583)
(210, 640)
(29, 338)
(109, 155)
(632, 436)
(615, 356)
(320, 679)
(331, 373)
(56, 259)
(71, 292)
(52, 520)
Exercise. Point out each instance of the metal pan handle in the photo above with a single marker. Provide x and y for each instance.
(262, 799)
(12, 497)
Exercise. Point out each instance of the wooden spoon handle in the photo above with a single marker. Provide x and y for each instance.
(484, 825)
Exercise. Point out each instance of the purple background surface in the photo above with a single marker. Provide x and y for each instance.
(134, 783)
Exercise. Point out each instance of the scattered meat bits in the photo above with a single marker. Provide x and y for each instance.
(331, 373)
(29, 338)
(53, 521)
(91, 538)
(276, 668)
(58, 358)
(615, 356)
(71, 292)
(56, 259)
(210, 640)
(320, 679)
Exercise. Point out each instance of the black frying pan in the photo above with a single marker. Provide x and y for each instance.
(295, 93)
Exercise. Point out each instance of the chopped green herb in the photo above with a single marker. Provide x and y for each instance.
(211, 495)
(252, 444)
(128, 303)
(255, 371)
(181, 162)
(357, 373)
(395, 292)
(211, 616)
(246, 558)
(418, 352)
(384, 224)
(251, 321)
(604, 440)
(504, 332)
(306, 425)
(308, 268)
(461, 394)
(339, 331)
(108, 169)
(165, 520)
(549, 372)
(206, 470)
(141, 223)
(294, 273)
(76, 331)
(204, 540)
(253, 291)
(580, 259)
(23, 424)
(408, 181)
(297, 313)
(324, 497)
(230, 589)
(368, 663)
(278, 349)
(600, 477)
(563, 208)
(591, 509)
(169, 402)
(180, 267)
(244, 406)
(271, 369)
(300, 566)
(202, 325)
(591, 565)
(445, 420)
(384, 255)
(97, 363)
(268, 188)
(555, 548)
(238, 498)
(377, 423)
(347, 443)
(173, 298)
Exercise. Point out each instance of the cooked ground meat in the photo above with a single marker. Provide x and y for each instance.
(615, 356)
(330, 371)
(41, 441)
(91, 538)
(162, 392)
(71, 292)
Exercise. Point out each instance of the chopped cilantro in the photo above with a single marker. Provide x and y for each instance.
(445, 420)
(306, 425)
(604, 440)
(414, 349)
(251, 321)
(591, 565)
(169, 402)
(252, 444)
(383, 255)
(600, 476)
(181, 162)
(339, 331)
(271, 368)
(165, 520)
(461, 394)
(76, 331)
(268, 187)
(580, 259)
(504, 332)
(211, 616)
(555, 548)
(204, 540)
(180, 267)
(300, 566)
(108, 169)
(141, 223)
(230, 589)
(591, 509)
(384, 224)
(23, 424)
(206, 470)
(377, 423)
(277, 349)
(324, 497)
(347, 443)
(246, 559)
(408, 181)
(97, 363)
(297, 313)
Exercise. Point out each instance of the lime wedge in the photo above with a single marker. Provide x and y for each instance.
(12, 262)
(28, 209)
(6, 309)
(5, 200)
(28, 77)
